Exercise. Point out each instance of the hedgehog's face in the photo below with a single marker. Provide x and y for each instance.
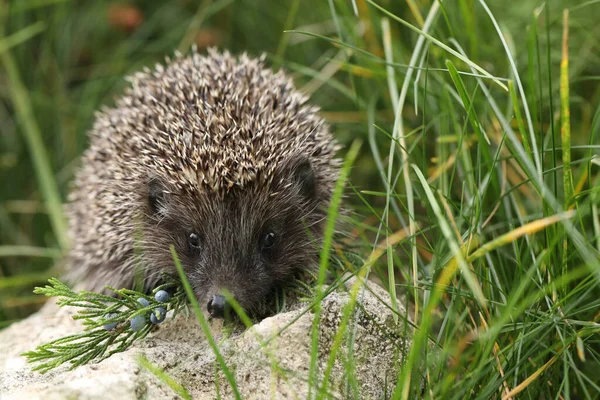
(248, 242)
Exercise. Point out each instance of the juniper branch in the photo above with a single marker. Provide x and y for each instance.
(98, 310)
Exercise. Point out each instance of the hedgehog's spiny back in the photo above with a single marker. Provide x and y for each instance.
(216, 122)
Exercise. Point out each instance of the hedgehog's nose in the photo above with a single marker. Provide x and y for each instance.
(217, 306)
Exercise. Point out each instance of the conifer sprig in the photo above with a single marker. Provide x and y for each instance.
(110, 322)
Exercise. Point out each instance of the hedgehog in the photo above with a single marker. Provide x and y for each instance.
(217, 156)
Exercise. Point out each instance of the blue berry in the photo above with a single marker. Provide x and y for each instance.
(138, 322)
(111, 325)
(161, 296)
(143, 302)
(158, 315)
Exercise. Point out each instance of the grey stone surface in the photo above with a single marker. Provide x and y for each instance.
(269, 360)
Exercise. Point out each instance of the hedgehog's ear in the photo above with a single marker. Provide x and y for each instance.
(304, 177)
(156, 195)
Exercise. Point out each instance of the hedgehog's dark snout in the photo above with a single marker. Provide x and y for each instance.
(218, 307)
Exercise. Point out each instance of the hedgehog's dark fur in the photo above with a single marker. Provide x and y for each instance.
(213, 145)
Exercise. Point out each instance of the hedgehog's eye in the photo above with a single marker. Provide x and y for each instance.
(194, 241)
(267, 240)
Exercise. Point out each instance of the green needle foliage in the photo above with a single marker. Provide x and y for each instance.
(96, 343)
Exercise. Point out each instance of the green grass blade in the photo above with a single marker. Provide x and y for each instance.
(23, 280)
(470, 279)
(29, 251)
(325, 256)
(405, 378)
(393, 88)
(536, 156)
(287, 26)
(399, 136)
(566, 114)
(439, 43)
(158, 372)
(21, 36)
(204, 325)
(519, 118)
(35, 143)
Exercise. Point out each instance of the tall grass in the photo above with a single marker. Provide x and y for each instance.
(476, 198)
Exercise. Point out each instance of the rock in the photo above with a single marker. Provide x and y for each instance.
(269, 360)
